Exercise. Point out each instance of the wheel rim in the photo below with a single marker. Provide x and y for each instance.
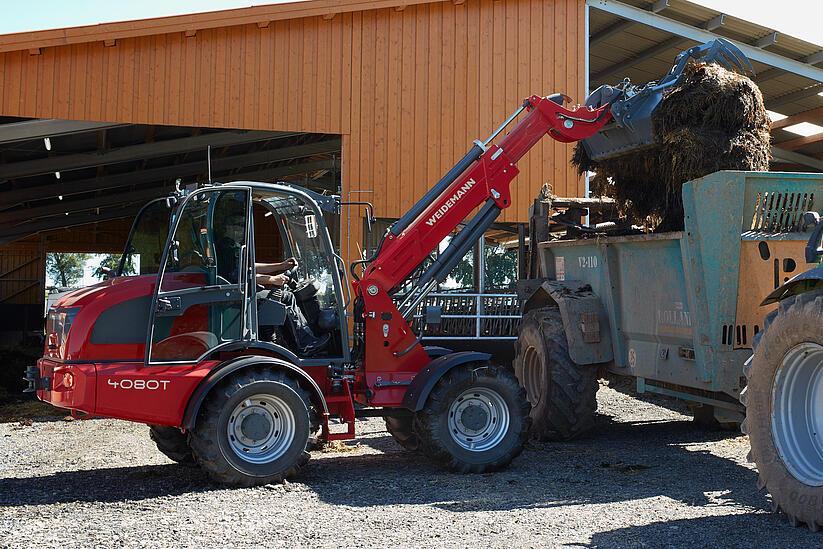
(797, 413)
(261, 428)
(532, 376)
(478, 419)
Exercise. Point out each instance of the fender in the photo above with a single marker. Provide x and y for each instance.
(281, 352)
(436, 352)
(584, 318)
(423, 383)
(810, 280)
(232, 366)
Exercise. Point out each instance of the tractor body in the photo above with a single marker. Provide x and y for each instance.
(679, 311)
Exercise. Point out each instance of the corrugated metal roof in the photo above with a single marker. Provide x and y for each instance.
(620, 48)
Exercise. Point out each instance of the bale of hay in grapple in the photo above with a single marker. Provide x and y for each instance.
(713, 120)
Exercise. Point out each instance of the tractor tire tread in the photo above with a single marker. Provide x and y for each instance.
(571, 390)
(203, 439)
(795, 320)
(172, 443)
(432, 439)
(401, 429)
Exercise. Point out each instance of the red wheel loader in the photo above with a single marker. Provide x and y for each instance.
(227, 377)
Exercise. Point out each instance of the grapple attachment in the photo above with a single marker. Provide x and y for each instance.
(632, 106)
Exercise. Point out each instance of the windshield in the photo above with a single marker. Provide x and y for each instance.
(147, 238)
(304, 236)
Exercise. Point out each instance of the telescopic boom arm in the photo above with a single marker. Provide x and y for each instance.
(393, 354)
(482, 177)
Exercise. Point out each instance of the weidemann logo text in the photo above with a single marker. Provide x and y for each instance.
(441, 211)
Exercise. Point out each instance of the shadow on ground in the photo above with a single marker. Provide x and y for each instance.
(104, 485)
(619, 462)
(726, 531)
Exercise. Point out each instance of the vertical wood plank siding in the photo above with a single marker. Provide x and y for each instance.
(408, 87)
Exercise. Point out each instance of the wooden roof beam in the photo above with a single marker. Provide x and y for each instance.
(797, 95)
(780, 154)
(805, 116)
(800, 142)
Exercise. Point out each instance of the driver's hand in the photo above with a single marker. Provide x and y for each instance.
(272, 280)
(279, 280)
(290, 263)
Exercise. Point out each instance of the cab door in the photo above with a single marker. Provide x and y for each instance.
(200, 298)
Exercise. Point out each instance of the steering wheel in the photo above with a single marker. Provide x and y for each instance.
(291, 274)
(302, 284)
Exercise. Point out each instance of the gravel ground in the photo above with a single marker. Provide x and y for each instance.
(646, 478)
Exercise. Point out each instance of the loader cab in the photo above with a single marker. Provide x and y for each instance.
(206, 299)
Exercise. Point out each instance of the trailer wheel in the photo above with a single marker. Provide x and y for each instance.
(475, 420)
(784, 408)
(172, 442)
(563, 395)
(401, 428)
(253, 429)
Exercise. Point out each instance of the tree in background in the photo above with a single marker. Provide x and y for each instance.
(501, 268)
(66, 269)
(112, 261)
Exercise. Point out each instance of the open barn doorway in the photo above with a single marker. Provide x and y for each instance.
(73, 187)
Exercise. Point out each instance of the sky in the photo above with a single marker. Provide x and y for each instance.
(799, 18)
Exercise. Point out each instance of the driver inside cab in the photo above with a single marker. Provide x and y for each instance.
(272, 282)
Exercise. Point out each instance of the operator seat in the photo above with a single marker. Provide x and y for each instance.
(281, 321)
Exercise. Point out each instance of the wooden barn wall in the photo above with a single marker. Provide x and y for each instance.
(409, 89)
(21, 274)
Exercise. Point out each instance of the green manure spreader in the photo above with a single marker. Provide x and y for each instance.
(680, 313)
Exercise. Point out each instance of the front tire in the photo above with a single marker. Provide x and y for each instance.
(562, 394)
(784, 408)
(475, 420)
(253, 429)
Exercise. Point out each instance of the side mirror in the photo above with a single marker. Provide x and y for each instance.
(107, 272)
(814, 249)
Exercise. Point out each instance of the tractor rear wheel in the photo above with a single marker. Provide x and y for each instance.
(172, 442)
(475, 420)
(401, 428)
(563, 395)
(253, 429)
(784, 408)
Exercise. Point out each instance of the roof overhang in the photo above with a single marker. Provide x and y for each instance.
(640, 38)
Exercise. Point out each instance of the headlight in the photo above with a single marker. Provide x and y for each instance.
(58, 325)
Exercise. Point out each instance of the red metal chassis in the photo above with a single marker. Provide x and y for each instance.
(113, 381)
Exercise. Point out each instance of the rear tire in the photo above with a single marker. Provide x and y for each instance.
(401, 428)
(172, 443)
(784, 407)
(562, 394)
(253, 429)
(475, 420)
